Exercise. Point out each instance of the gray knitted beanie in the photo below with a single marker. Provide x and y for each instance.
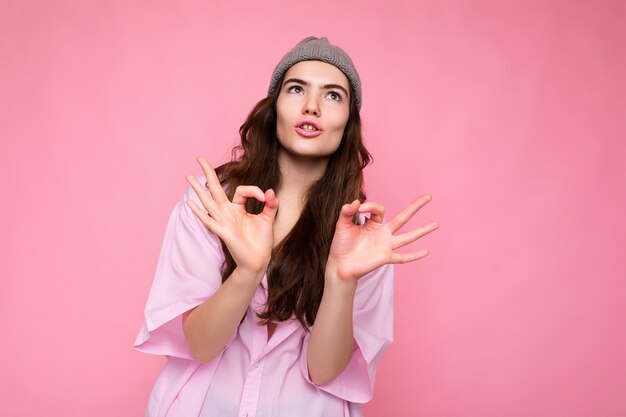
(318, 49)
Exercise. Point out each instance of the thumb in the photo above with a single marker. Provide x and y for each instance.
(271, 204)
(347, 211)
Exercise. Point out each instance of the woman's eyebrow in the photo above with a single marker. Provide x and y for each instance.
(326, 87)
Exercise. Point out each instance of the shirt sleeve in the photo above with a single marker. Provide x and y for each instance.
(372, 320)
(188, 272)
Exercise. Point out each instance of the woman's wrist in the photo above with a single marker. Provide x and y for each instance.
(251, 274)
(337, 283)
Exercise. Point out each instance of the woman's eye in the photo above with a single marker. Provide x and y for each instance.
(335, 96)
(295, 86)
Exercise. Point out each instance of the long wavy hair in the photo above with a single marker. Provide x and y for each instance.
(296, 270)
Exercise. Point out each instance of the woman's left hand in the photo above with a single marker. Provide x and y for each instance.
(357, 250)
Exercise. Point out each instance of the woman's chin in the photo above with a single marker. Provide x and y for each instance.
(306, 154)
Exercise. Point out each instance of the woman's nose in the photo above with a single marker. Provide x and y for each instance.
(311, 107)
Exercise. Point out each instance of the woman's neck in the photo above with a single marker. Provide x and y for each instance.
(298, 173)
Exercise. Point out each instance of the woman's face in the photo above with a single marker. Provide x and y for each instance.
(315, 92)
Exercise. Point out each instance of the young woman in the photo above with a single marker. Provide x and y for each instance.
(273, 294)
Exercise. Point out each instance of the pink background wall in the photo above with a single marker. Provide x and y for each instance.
(510, 114)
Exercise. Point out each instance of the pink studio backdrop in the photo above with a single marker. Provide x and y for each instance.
(510, 114)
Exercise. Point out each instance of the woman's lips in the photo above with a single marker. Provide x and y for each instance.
(308, 133)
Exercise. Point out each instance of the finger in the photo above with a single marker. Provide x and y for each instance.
(405, 215)
(271, 205)
(413, 235)
(212, 181)
(242, 192)
(376, 210)
(403, 258)
(348, 211)
(206, 220)
(204, 196)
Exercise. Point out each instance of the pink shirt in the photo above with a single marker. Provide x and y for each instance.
(251, 377)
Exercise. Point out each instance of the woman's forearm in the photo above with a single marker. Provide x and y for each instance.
(331, 342)
(209, 326)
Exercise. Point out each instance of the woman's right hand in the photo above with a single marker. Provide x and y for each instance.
(249, 237)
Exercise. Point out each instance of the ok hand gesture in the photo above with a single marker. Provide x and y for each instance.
(249, 237)
(359, 249)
